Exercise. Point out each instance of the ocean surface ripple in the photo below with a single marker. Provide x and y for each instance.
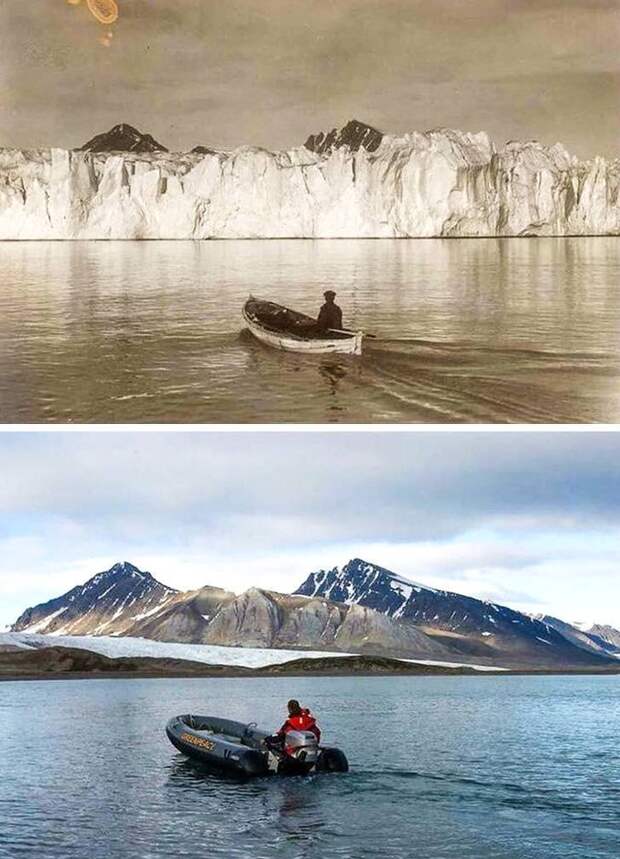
(441, 768)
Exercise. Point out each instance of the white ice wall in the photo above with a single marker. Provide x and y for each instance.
(440, 183)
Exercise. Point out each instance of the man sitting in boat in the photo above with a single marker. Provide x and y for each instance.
(299, 719)
(330, 315)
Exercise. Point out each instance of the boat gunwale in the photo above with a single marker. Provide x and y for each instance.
(338, 338)
(251, 740)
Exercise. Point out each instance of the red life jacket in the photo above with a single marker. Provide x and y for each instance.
(303, 721)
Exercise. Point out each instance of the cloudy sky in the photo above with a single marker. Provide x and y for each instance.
(269, 72)
(528, 519)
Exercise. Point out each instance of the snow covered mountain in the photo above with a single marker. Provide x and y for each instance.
(352, 182)
(124, 601)
(606, 636)
(111, 602)
(579, 637)
(359, 608)
(469, 625)
(595, 638)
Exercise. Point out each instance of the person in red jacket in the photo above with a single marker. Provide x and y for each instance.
(299, 719)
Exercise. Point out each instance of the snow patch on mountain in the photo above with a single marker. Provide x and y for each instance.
(42, 625)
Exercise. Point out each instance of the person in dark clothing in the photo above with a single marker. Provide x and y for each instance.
(330, 315)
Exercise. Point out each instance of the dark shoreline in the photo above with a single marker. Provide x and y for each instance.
(65, 663)
(254, 675)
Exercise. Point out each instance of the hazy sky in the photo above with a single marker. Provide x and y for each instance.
(528, 519)
(269, 72)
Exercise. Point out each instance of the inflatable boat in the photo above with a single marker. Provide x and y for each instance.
(246, 750)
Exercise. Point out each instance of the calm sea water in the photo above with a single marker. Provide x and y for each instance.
(441, 768)
(467, 331)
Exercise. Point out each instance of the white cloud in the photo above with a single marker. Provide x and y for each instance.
(529, 519)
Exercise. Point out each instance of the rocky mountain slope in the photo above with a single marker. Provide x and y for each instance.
(359, 608)
(466, 624)
(259, 618)
(126, 601)
(579, 637)
(352, 182)
(111, 602)
(123, 138)
(355, 136)
(605, 636)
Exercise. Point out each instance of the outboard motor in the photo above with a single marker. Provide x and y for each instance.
(302, 746)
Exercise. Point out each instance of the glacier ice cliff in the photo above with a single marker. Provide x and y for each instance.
(437, 183)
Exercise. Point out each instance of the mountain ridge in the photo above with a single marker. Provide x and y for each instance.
(98, 603)
(126, 601)
(357, 608)
(474, 626)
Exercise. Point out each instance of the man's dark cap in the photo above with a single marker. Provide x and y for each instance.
(329, 293)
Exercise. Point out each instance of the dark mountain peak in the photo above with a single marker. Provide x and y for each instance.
(202, 150)
(355, 563)
(360, 567)
(121, 570)
(128, 568)
(362, 582)
(123, 138)
(355, 135)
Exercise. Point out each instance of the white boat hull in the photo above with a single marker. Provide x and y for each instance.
(323, 346)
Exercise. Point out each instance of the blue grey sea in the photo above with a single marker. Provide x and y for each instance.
(441, 768)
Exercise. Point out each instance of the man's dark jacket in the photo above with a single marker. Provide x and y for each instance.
(330, 316)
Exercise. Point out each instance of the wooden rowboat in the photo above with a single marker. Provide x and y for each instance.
(286, 329)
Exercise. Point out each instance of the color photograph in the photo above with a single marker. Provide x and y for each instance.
(221, 659)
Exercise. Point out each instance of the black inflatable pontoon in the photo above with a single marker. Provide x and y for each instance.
(240, 748)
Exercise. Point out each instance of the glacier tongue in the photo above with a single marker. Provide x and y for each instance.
(438, 183)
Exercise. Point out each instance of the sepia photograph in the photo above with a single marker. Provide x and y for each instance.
(361, 211)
